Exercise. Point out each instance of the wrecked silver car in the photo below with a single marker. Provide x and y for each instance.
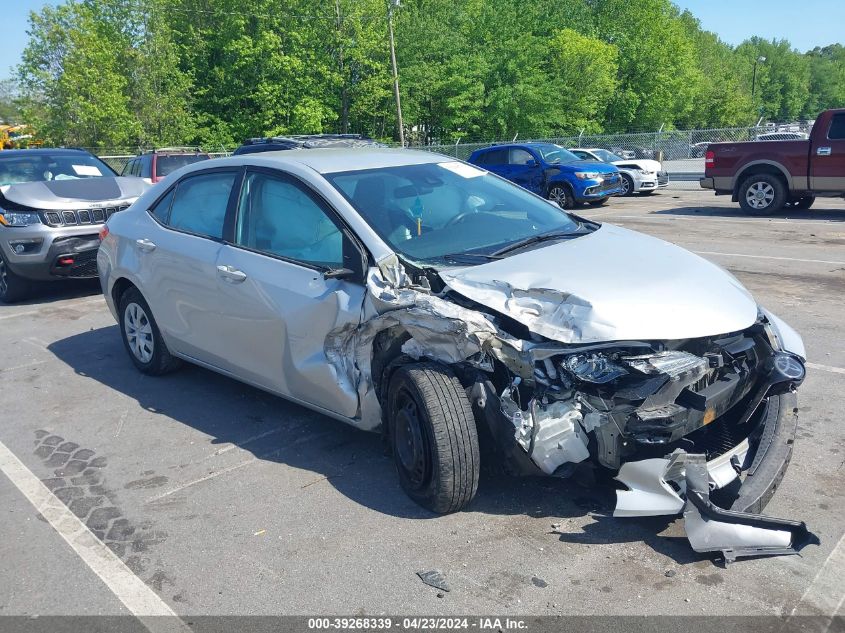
(422, 297)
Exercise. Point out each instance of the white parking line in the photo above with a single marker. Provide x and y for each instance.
(785, 259)
(138, 598)
(693, 218)
(825, 594)
(833, 370)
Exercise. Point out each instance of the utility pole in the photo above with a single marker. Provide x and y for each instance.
(760, 60)
(391, 4)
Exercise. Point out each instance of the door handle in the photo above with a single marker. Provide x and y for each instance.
(146, 245)
(232, 275)
(823, 151)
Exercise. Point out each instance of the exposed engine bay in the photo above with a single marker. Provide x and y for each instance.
(676, 420)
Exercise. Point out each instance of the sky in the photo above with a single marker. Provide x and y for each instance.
(806, 24)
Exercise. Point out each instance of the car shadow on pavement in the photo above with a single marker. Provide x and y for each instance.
(815, 214)
(51, 291)
(352, 461)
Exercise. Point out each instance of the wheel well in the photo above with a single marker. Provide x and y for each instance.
(563, 184)
(120, 286)
(755, 170)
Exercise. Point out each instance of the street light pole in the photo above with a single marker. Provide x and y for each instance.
(760, 59)
(390, 5)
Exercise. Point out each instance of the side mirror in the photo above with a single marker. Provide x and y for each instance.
(531, 163)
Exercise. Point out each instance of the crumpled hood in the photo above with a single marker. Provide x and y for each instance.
(68, 194)
(611, 285)
(640, 163)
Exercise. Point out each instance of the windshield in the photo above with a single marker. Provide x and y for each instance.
(606, 156)
(40, 167)
(555, 154)
(167, 164)
(435, 212)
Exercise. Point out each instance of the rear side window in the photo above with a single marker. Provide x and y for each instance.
(493, 157)
(199, 204)
(162, 209)
(127, 168)
(168, 164)
(837, 127)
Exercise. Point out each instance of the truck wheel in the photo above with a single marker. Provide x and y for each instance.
(762, 194)
(562, 195)
(13, 287)
(627, 185)
(802, 203)
(141, 336)
(433, 437)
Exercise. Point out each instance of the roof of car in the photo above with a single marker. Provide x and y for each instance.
(42, 151)
(326, 161)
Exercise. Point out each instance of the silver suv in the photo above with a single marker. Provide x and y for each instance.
(423, 297)
(53, 203)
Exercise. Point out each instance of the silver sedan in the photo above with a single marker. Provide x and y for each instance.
(411, 294)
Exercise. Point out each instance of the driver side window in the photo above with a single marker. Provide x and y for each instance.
(278, 216)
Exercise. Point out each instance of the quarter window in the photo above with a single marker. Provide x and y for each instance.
(199, 204)
(280, 217)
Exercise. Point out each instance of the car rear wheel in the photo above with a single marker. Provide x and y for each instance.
(562, 195)
(141, 336)
(762, 194)
(627, 185)
(13, 287)
(433, 437)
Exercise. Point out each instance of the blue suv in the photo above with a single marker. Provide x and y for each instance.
(552, 172)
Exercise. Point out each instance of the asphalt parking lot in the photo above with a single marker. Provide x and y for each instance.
(225, 500)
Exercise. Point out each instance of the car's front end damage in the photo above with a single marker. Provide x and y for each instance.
(700, 426)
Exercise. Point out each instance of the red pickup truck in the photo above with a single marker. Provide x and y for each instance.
(766, 176)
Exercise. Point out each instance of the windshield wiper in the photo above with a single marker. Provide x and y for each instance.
(456, 257)
(536, 239)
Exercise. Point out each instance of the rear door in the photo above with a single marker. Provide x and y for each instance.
(827, 161)
(525, 169)
(177, 262)
(276, 307)
(496, 161)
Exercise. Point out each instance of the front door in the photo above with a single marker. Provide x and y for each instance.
(525, 170)
(827, 159)
(276, 306)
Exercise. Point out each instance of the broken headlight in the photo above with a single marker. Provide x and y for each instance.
(595, 368)
(672, 363)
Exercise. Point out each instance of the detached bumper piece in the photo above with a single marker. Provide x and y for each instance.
(682, 482)
(710, 528)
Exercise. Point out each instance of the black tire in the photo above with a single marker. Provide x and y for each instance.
(627, 185)
(433, 437)
(762, 194)
(150, 355)
(13, 287)
(598, 203)
(562, 194)
(802, 203)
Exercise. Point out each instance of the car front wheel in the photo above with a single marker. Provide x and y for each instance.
(562, 195)
(433, 437)
(627, 185)
(13, 287)
(141, 336)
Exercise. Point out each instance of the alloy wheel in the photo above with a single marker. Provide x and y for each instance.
(760, 195)
(626, 186)
(558, 194)
(139, 332)
(4, 278)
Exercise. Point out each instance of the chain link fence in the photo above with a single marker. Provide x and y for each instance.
(680, 151)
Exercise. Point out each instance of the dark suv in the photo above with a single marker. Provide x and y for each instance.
(305, 141)
(155, 165)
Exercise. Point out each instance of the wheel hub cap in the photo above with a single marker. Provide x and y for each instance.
(139, 332)
(760, 195)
